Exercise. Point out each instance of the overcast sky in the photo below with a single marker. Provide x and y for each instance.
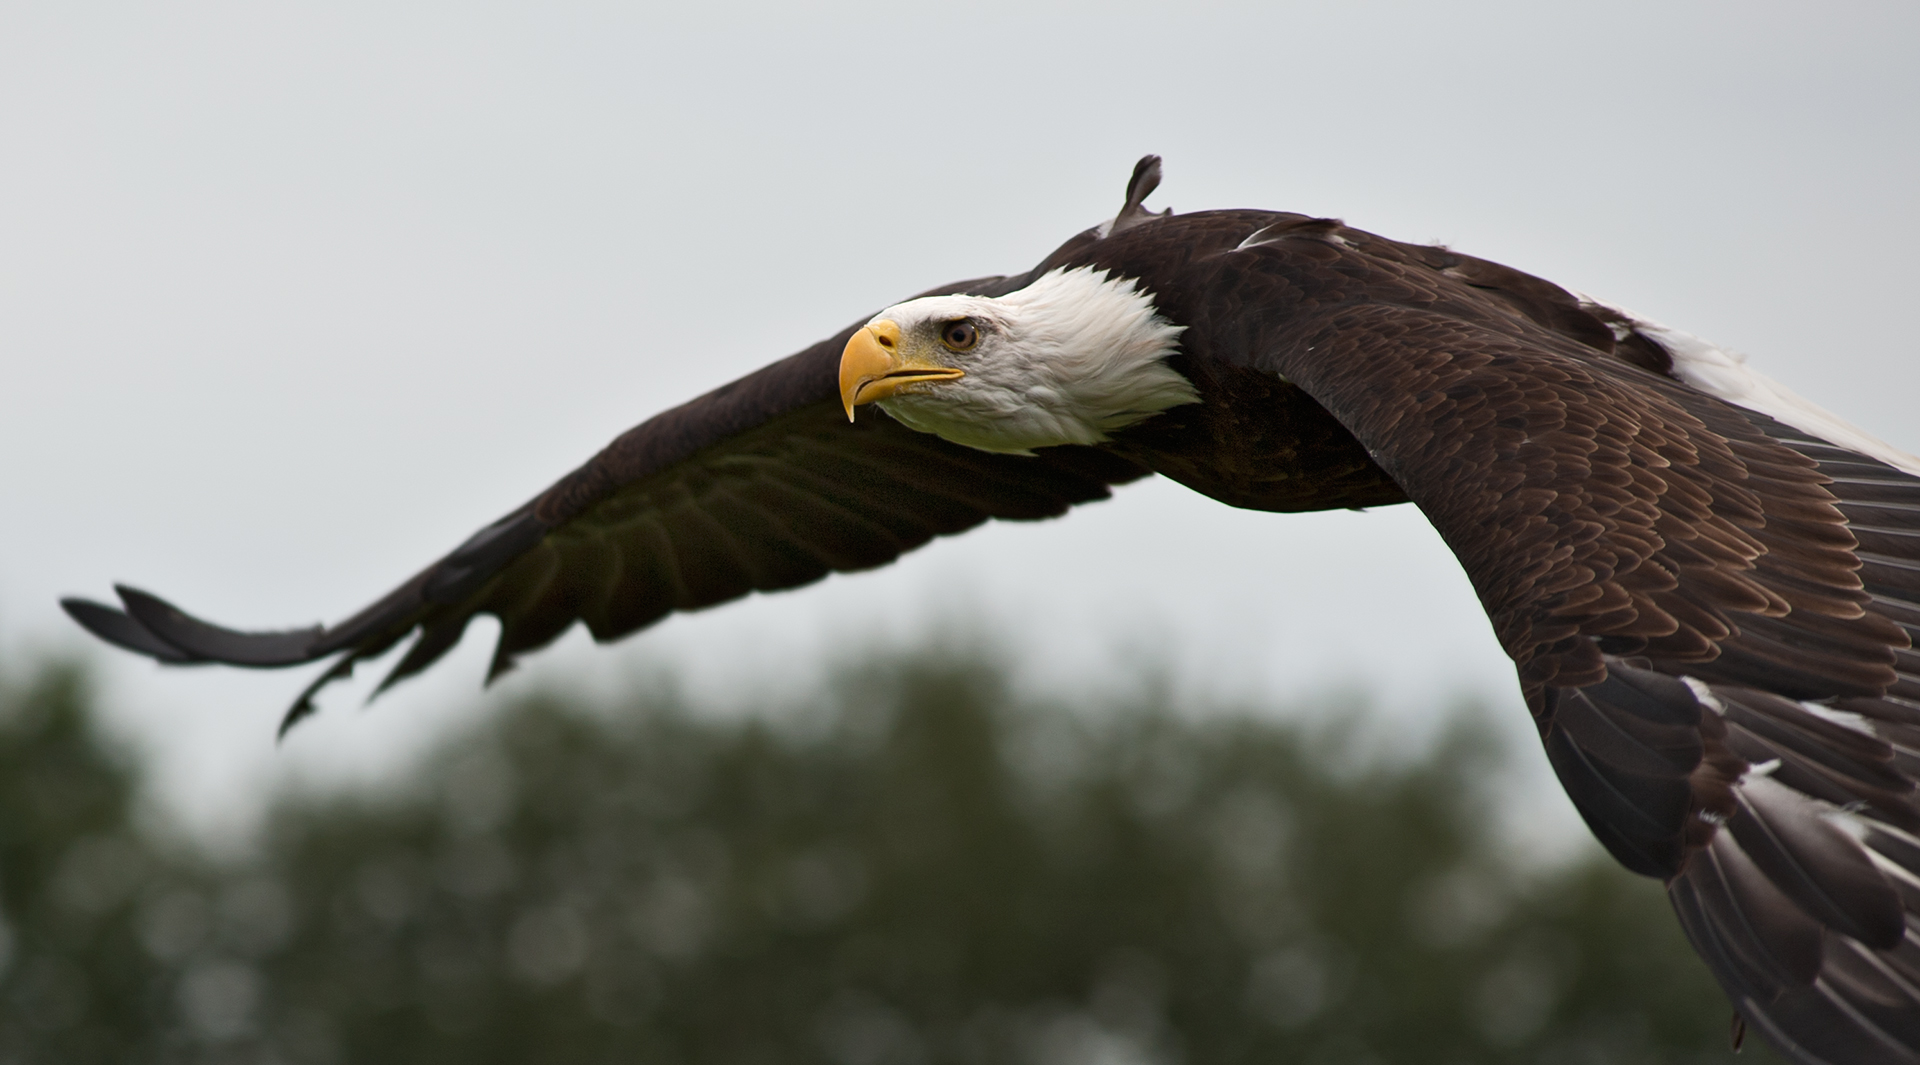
(293, 297)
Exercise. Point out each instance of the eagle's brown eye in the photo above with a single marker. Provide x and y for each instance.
(960, 335)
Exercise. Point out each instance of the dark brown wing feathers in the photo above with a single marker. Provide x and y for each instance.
(757, 486)
(1712, 613)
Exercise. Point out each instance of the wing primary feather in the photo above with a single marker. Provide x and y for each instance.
(202, 640)
(1884, 1045)
(303, 705)
(436, 639)
(122, 631)
(1784, 723)
(1876, 989)
(1815, 864)
(1758, 924)
(1631, 814)
(511, 597)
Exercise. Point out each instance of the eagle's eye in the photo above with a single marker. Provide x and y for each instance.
(959, 335)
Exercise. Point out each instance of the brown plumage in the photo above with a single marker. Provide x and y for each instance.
(1710, 612)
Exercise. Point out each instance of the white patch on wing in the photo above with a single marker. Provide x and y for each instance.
(1070, 359)
(1254, 239)
(1893, 869)
(1259, 237)
(1725, 375)
(1890, 866)
(1848, 822)
(1843, 718)
(1705, 695)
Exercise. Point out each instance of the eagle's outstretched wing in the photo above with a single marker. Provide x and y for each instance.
(1712, 612)
(759, 485)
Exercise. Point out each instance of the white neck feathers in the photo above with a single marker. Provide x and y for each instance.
(1070, 359)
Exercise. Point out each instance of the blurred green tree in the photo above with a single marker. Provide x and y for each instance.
(75, 984)
(920, 868)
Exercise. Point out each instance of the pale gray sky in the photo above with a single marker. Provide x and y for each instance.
(293, 297)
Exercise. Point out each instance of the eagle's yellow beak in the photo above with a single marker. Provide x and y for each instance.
(873, 368)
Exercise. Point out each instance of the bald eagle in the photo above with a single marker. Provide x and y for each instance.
(1709, 587)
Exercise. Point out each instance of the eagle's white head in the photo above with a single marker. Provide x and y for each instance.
(1067, 360)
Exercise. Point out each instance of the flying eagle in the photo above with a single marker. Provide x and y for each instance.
(1709, 587)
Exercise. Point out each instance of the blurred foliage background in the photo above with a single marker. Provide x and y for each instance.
(917, 866)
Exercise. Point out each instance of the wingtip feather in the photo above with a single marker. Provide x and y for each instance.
(205, 641)
(303, 706)
(123, 631)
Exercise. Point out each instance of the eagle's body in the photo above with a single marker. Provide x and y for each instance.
(1709, 588)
